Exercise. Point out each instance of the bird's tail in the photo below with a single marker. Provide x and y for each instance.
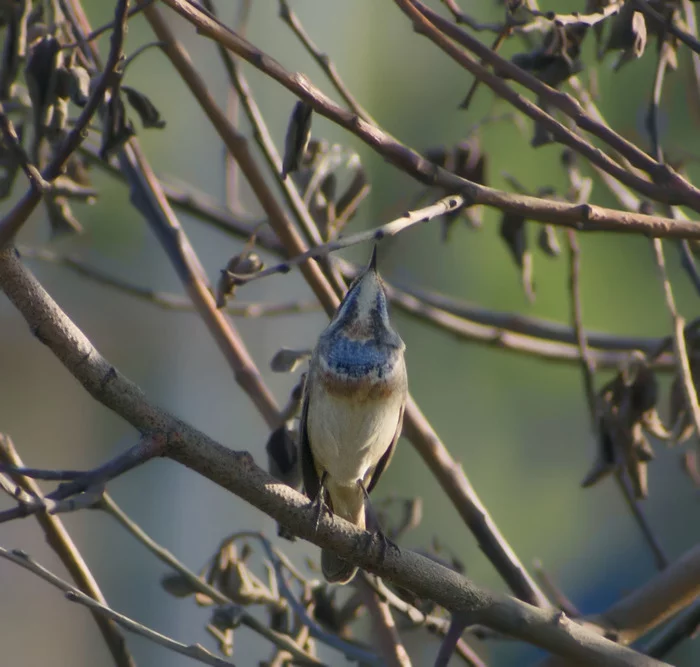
(347, 502)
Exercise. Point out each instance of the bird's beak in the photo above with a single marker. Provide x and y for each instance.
(373, 260)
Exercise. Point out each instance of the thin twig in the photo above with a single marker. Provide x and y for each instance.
(278, 639)
(389, 640)
(13, 144)
(323, 60)
(164, 300)
(406, 221)
(72, 594)
(678, 324)
(107, 26)
(60, 541)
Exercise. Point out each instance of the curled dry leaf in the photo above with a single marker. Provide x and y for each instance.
(178, 585)
(40, 76)
(61, 218)
(243, 264)
(142, 105)
(9, 166)
(513, 232)
(117, 129)
(628, 34)
(297, 138)
(287, 360)
(556, 59)
(282, 455)
(467, 160)
(548, 241)
(627, 412)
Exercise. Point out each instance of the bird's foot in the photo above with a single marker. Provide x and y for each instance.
(319, 506)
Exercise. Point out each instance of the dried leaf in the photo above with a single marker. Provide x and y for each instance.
(79, 85)
(283, 457)
(227, 617)
(287, 360)
(297, 139)
(116, 127)
(9, 166)
(178, 585)
(628, 34)
(513, 232)
(245, 263)
(549, 241)
(14, 49)
(149, 115)
(40, 76)
(61, 218)
(467, 160)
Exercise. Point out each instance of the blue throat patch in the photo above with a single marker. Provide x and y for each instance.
(358, 359)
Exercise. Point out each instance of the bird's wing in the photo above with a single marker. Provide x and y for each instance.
(312, 483)
(386, 458)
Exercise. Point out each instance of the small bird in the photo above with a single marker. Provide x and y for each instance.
(353, 408)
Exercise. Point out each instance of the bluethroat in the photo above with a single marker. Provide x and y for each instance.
(353, 408)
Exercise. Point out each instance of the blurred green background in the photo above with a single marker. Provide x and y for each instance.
(518, 426)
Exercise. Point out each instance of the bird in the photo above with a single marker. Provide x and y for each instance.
(352, 412)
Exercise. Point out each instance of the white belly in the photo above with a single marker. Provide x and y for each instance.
(347, 438)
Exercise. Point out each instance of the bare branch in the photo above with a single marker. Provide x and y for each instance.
(72, 594)
(60, 541)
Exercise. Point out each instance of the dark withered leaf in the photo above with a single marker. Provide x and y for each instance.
(283, 457)
(39, 73)
(297, 138)
(606, 459)
(227, 617)
(513, 232)
(9, 165)
(13, 49)
(245, 263)
(326, 608)
(178, 585)
(149, 115)
(287, 360)
(116, 127)
(280, 620)
(628, 34)
(61, 218)
(329, 186)
(643, 387)
(556, 59)
(549, 241)
(467, 160)
(542, 135)
(283, 463)
(79, 85)
(62, 83)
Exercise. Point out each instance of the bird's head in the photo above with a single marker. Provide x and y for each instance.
(363, 313)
